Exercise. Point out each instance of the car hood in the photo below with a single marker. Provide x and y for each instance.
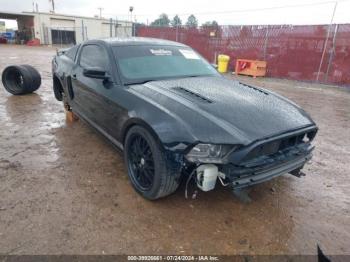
(244, 112)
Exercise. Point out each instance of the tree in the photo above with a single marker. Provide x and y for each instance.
(212, 24)
(176, 21)
(192, 21)
(212, 28)
(163, 20)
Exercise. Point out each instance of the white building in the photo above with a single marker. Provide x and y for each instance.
(2, 27)
(52, 28)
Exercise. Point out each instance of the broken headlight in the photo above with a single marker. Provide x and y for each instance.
(209, 153)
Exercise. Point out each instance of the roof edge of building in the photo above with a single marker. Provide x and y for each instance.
(72, 16)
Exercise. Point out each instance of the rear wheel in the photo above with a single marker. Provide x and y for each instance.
(57, 88)
(147, 166)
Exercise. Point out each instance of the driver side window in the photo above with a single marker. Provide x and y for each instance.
(94, 56)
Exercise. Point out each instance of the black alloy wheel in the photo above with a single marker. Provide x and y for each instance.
(141, 162)
(148, 169)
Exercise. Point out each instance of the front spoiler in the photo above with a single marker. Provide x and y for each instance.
(267, 174)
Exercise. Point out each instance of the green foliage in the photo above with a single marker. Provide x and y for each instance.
(213, 24)
(176, 21)
(163, 21)
(192, 21)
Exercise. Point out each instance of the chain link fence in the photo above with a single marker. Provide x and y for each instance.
(318, 53)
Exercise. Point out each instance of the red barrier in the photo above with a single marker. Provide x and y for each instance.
(34, 42)
(292, 52)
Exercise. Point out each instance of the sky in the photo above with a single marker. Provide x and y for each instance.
(228, 12)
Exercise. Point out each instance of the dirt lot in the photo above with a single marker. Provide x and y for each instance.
(64, 190)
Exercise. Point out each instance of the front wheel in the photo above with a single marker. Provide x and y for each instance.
(147, 165)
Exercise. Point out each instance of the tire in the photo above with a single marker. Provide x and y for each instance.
(164, 180)
(36, 78)
(57, 88)
(20, 80)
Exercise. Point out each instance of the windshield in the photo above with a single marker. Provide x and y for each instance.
(140, 64)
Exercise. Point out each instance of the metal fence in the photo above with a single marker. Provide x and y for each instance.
(319, 53)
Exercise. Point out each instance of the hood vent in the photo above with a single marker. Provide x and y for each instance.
(253, 87)
(189, 94)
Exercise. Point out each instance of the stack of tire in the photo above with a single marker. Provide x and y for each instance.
(21, 79)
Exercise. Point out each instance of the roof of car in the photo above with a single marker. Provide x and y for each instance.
(118, 41)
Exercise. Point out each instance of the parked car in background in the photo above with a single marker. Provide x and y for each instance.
(3, 39)
(175, 116)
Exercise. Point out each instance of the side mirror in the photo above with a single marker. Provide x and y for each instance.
(95, 72)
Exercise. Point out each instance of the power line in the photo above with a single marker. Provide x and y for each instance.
(249, 10)
(325, 43)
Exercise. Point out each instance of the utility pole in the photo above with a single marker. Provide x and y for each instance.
(100, 8)
(110, 27)
(131, 8)
(53, 5)
(116, 27)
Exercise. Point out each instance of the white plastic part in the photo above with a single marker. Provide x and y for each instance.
(206, 176)
(221, 177)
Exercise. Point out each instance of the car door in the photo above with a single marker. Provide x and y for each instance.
(88, 90)
(99, 100)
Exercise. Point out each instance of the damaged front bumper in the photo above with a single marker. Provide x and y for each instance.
(260, 175)
(255, 163)
(264, 168)
(239, 177)
(256, 170)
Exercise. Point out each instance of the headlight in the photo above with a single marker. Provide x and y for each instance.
(209, 153)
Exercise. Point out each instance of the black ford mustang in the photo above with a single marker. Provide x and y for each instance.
(174, 116)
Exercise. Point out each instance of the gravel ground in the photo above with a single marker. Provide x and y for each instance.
(64, 189)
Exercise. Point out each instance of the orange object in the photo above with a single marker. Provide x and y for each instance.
(71, 117)
(250, 67)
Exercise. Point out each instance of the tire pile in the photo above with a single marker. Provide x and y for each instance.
(21, 79)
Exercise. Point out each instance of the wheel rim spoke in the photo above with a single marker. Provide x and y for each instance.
(148, 176)
(141, 163)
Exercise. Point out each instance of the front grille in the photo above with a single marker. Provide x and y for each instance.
(272, 147)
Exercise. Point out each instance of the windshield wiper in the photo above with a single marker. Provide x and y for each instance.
(197, 76)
